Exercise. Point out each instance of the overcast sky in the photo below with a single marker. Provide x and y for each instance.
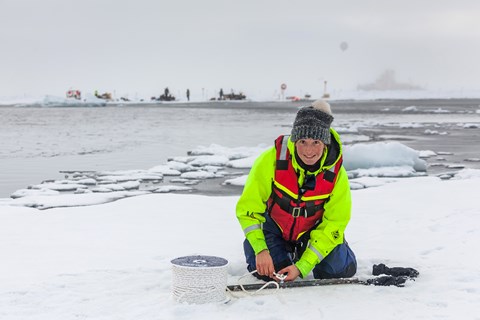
(142, 46)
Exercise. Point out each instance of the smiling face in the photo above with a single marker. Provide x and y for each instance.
(309, 150)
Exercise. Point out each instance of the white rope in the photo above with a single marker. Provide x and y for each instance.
(199, 285)
(281, 277)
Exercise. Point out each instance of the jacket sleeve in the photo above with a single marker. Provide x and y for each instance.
(329, 232)
(252, 204)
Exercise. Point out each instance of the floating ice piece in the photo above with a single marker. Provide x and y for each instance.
(198, 175)
(134, 176)
(215, 160)
(230, 153)
(455, 166)
(437, 164)
(106, 181)
(245, 163)
(121, 172)
(59, 186)
(446, 176)
(180, 166)
(169, 188)
(113, 179)
(179, 180)
(355, 185)
(472, 159)
(438, 110)
(108, 188)
(367, 182)
(467, 174)
(228, 174)
(346, 129)
(185, 181)
(79, 175)
(410, 109)
(191, 182)
(410, 125)
(68, 181)
(397, 171)
(81, 191)
(239, 181)
(130, 185)
(426, 153)
(85, 181)
(71, 200)
(382, 154)
(33, 192)
(181, 159)
(211, 168)
(165, 170)
(435, 132)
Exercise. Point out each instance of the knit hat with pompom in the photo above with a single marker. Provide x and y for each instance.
(313, 122)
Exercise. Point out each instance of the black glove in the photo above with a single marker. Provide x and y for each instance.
(388, 281)
(395, 271)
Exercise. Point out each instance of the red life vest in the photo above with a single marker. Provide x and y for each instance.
(294, 209)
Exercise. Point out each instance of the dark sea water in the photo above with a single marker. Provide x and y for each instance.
(37, 143)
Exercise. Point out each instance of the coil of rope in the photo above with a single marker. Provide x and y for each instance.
(199, 279)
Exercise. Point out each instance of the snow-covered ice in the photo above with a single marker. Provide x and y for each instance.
(112, 261)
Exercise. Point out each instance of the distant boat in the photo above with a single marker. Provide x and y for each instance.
(307, 97)
(74, 94)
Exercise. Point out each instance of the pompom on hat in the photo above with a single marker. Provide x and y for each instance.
(313, 122)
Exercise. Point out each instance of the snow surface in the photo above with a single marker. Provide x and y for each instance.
(112, 261)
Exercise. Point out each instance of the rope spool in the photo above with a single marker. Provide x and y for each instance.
(199, 279)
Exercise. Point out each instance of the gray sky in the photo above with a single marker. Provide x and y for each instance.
(142, 46)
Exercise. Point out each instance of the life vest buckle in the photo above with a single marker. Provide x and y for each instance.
(296, 211)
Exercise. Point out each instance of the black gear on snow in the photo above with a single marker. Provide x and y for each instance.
(395, 271)
(388, 281)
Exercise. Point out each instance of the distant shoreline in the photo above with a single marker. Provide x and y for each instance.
(341, 105)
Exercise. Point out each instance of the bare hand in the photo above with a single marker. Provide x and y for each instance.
(292, 272)
(265, 264)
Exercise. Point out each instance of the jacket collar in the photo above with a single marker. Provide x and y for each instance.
(330, 157)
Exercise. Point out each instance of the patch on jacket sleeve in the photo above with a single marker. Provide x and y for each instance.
(335, 234)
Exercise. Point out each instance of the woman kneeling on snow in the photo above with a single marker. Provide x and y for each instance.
(296, 203)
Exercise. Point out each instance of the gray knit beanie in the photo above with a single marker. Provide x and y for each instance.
(313, 122)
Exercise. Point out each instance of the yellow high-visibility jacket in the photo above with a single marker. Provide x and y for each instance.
(252, 204)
